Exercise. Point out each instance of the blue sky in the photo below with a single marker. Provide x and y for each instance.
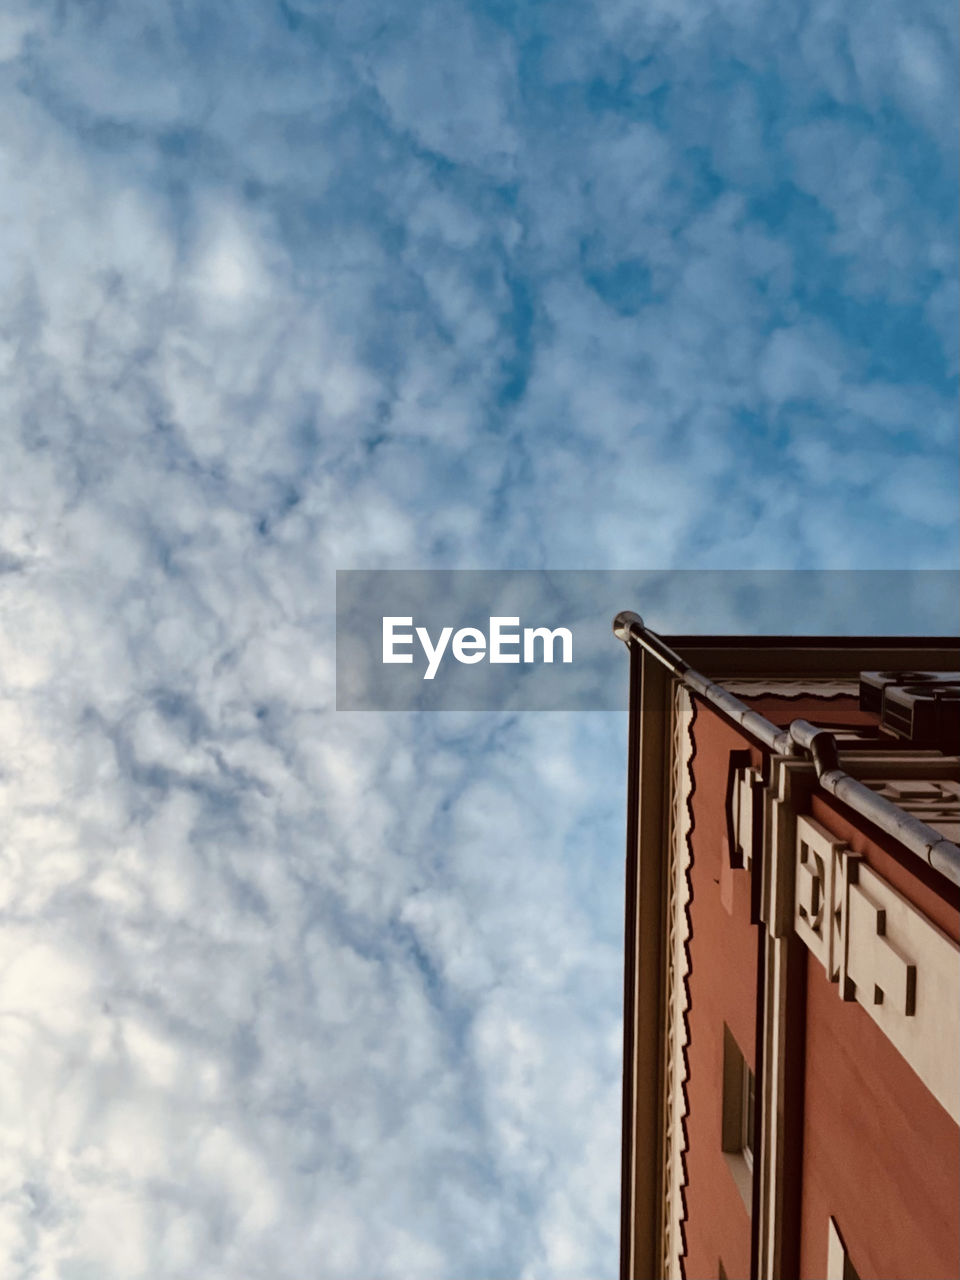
(295, 287)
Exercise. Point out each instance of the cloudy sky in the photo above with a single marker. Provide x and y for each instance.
(298, 286)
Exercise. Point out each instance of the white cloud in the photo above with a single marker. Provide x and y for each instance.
(451, 85)
(288, 992)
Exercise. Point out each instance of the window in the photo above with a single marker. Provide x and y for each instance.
(739, 1108)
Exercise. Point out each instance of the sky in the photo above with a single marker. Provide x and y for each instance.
(293, 287)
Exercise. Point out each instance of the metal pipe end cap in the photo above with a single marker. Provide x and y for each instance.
(625, 622)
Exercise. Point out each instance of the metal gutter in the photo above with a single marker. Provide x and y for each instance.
(801, 739)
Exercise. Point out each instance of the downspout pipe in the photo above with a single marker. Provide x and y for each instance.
(806, 740)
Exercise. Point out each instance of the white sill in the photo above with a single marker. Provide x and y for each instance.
(742, 1176)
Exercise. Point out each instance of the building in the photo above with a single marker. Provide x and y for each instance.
(792, 970)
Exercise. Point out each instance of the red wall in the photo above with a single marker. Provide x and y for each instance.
(723, 988)
(881, 1155)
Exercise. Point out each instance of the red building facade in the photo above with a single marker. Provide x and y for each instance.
(792, 1011)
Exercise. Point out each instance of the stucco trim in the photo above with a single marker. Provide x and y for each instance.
(791, 687)
(676, 993)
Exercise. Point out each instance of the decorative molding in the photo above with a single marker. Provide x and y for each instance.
(791, 687)
(792, 782)
(818, 896)
(884, 953)
(934, 801)
(905, 972)
(676, 994)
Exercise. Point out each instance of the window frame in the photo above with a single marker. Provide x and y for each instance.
(738, 1117)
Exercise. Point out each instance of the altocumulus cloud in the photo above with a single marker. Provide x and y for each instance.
(301, 286)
